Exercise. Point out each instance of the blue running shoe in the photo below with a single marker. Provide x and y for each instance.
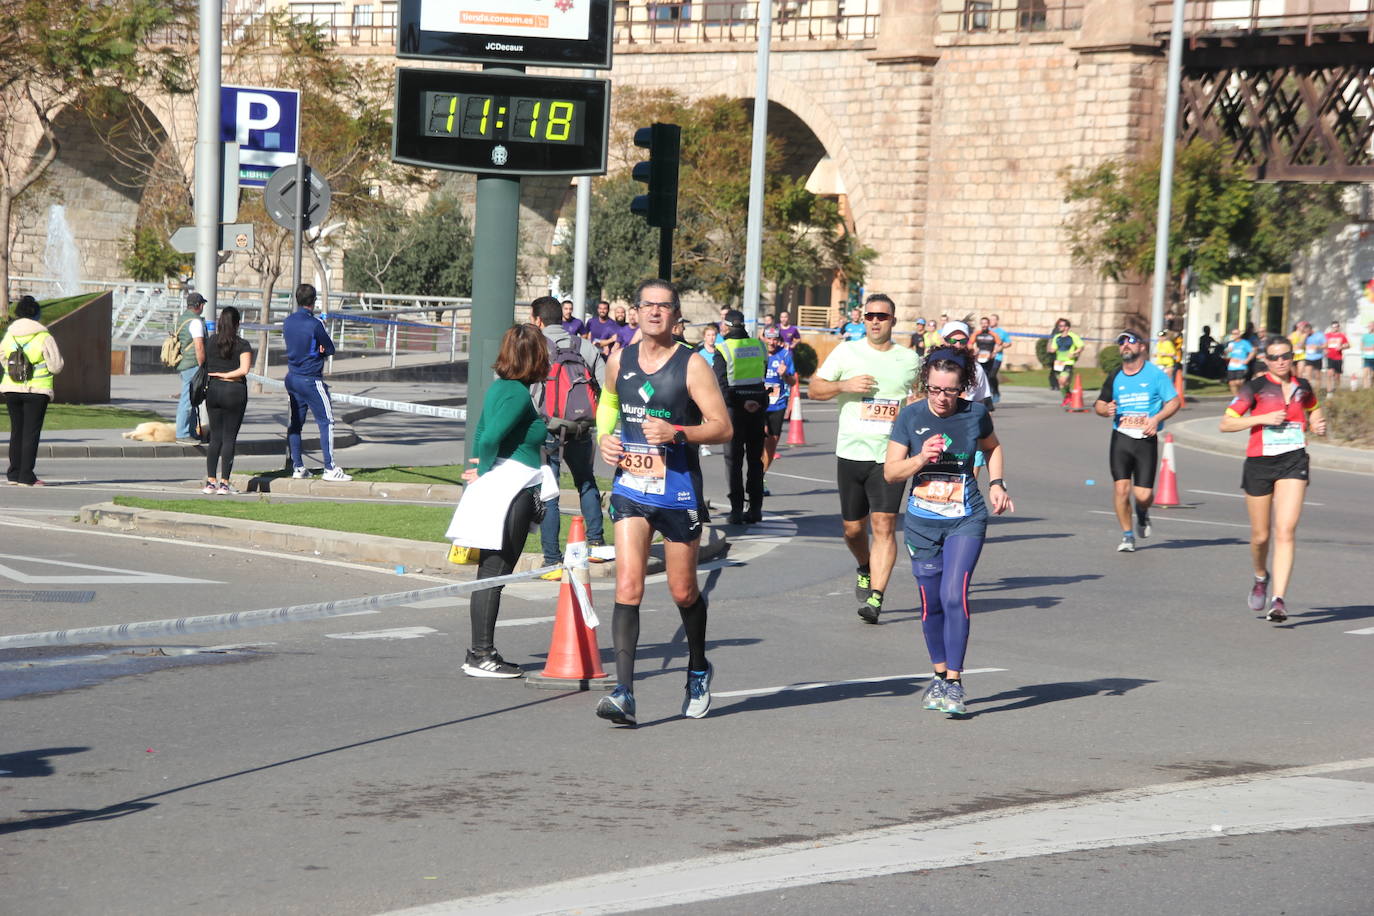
(954, 698)
(698, 700)
(618, 706)
(934, 697)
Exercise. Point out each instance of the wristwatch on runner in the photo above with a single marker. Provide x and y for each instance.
(680, 437)
(999, 482)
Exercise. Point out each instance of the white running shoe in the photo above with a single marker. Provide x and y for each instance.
(336, 474)
(300, 474)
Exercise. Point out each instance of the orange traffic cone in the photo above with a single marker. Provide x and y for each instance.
(1075, 402)
(1166, 494)
(796, 432)
(573, 653)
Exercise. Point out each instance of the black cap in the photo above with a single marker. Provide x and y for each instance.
(735, 317)
(194, 299)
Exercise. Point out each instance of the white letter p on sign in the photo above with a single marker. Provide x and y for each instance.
(255, 111)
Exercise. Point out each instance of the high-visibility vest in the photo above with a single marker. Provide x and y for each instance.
(745, 361)
(32, 346)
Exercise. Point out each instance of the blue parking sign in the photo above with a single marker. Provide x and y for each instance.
(266, 125)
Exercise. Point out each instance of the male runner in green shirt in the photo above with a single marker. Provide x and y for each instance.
(872, 379)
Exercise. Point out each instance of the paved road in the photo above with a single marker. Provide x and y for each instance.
(1138, 737)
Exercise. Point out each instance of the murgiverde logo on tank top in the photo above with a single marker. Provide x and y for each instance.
(668, 475)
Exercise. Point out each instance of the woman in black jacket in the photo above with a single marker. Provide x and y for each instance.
(227, 361)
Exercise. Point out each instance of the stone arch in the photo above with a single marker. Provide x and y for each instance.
(100, 192)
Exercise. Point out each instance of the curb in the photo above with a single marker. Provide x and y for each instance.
(340, 545)
(1201, 434)
(344, 437)
(353, 489)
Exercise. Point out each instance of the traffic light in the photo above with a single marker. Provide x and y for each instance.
(659, 206)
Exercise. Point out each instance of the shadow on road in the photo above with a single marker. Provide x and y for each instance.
(1007, 583)
(1039, 694)
(65, 817)
(1181, 543)
(1314, 616)
(26, 764)
(789, 699)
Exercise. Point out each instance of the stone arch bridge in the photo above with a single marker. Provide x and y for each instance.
(945, 124)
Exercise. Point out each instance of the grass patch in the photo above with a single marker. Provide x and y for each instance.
(414, 523)
(1350, 417)
(89, 416)
(430, 474)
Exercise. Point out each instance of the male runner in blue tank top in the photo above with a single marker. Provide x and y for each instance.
(666, 403)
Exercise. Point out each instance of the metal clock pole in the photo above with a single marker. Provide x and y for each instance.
(495, 247)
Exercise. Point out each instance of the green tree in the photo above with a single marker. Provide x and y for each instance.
(429, 253)
(150, 259)
(1223, 224)
(804, 236)
(622, 249)
(55, 54)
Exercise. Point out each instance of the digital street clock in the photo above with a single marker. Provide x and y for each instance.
(500, 123)
(525, 33)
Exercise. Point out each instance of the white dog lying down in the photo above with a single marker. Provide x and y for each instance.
(152, 431)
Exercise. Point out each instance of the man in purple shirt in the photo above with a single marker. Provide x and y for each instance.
(573, 326)
(626, 335)
(601, 329)
(786, 332)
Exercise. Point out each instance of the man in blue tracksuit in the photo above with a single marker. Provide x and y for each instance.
(307, 346)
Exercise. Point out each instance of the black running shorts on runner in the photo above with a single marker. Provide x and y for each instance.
(863, 490)
(1135, 460)
(681, 526)
(1258, 474)
(1336, 365)
(1315, 364)
(773, 423)
(1235, 375)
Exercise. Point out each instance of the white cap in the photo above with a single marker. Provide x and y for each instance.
(952, 326)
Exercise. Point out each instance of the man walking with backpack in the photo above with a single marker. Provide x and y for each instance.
(567, 400)
(30, 360)
(190, 353)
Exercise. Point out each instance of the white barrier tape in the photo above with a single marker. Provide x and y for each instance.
(576, 569)
(424, 410)
(181, 626)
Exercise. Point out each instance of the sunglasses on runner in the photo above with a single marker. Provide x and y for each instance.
(960, 340)
(877, 316)
(1279, 356)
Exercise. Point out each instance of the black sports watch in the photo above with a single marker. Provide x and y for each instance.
(999, 482)
(680, 437)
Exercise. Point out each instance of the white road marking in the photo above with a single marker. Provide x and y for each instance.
(799, 477)
(1296, 799)
(1242, 496)
(1155, 516)
(394, 633)
(112, 575)
(791, 688)
(254, 551)
(1367, 631)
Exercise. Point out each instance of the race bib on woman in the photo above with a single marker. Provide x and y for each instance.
(944, 495)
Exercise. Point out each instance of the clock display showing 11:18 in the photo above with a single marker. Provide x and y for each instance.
(512, 119)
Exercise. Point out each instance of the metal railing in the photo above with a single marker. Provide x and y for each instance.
(712, 21)
(1001, 16)
(1309, 18)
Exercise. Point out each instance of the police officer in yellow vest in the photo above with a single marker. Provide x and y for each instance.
(745, 395)
(27, 400)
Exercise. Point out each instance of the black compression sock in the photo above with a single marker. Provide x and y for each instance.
(942, 675)
(694, 625)
(864, 570)
(625, 638)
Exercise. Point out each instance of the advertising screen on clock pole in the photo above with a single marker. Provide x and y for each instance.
(527, 33)
(500, 123)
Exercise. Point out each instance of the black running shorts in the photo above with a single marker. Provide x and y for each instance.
(1336, 365)
(773, 423)
(681, 526)
(863, 490)
(1235, 375)
(1259, 473)
(1135, 460)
